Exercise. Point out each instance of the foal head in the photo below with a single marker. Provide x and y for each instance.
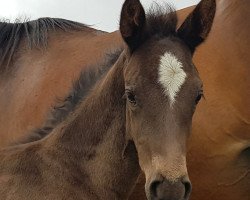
(162, 89)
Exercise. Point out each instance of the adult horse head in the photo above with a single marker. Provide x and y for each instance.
(162, 89)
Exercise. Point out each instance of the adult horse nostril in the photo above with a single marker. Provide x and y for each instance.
(188, 189)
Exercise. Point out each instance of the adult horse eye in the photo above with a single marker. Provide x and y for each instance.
(198, 98)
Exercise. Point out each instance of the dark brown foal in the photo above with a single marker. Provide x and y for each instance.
(137, 116)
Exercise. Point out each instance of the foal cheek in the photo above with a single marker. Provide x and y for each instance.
(144, 154)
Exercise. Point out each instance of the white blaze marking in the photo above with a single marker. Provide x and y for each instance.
(171, 75)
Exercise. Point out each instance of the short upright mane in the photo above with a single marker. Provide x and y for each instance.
(36, 32)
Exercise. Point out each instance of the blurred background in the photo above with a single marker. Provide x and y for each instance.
(103, 14)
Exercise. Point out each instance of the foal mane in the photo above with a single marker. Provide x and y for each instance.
(80, 89)
(36, 33)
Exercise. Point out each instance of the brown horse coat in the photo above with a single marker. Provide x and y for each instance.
(38, 77)
(219, 149)
(138, 115)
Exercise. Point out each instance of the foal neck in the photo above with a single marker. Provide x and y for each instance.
(94, 137)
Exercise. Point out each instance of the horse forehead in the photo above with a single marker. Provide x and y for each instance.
(171, 75)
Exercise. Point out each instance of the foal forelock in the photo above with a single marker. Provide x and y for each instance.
(171, 75)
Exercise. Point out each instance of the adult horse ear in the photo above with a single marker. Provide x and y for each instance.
(197, 25)
(132, 22)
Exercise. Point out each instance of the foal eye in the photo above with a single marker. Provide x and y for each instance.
(131, 97)
(198, 98)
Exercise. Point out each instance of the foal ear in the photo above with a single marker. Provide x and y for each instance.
(132, 23)
(197, 25)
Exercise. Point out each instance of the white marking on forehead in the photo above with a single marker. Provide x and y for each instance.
(171, 75)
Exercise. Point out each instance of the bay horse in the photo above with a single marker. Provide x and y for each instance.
(218, 156)
(138, 115)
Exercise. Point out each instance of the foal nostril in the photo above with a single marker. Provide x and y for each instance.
(174, 190)
(153, 188)
(188, 188)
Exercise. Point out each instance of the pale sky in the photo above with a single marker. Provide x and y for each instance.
(103, 14)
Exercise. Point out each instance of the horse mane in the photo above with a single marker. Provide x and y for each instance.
(36, 32)
(81, 88)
